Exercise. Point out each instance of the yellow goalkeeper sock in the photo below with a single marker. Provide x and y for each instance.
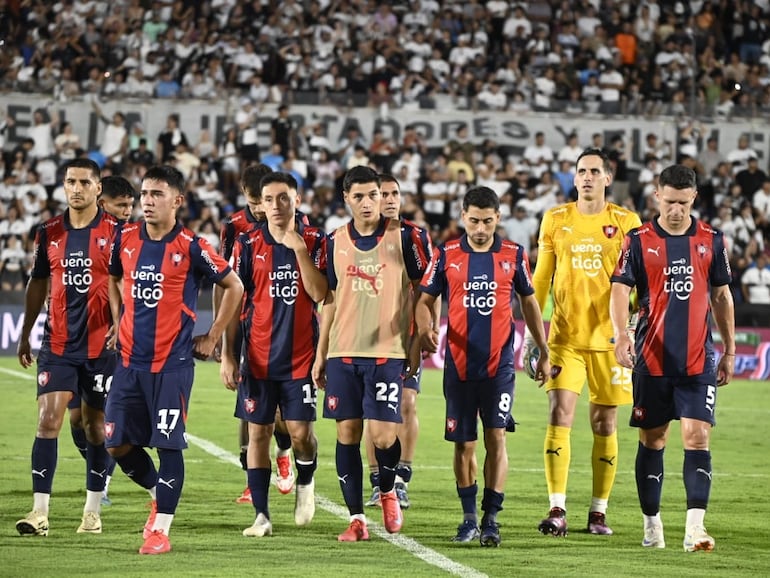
(557, 454)
(604, 464)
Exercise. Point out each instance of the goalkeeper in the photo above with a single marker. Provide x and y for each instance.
(579, 245)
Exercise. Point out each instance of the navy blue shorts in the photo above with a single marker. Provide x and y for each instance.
(148, 409)
(259, 398)
(357, 390)
(87, 380)
(414, 381)
(658, 400)
(490, 399)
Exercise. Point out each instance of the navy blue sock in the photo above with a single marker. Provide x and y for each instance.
(96, 466)
(259, 484)
(45, 452)
(374, 477)
(79, 439)
(138, 465)
(649, 478)
(468, 501)
(491, 503)
(350, 472)
(305, 470)
(110, 464)
(170, 480)
(696, 473)
(387, 459)
(404, 471)
(242, 457)
(282, 440)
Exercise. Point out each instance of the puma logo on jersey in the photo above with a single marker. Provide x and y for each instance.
(656, 251)
(55, 243)
(455, 266)
(262, 257)
(129, 252)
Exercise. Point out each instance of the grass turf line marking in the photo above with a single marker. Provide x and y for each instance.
(412, 546)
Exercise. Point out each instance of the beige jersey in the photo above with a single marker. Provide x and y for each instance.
(373, 314)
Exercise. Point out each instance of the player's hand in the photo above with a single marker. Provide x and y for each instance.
(542, 366)
(725, 369)
(624, 350)
(228, 372)
(294, 241)
(112, 337)
(24, 351)
(217, 352)
(203, 346)
(414, 359)
(429, 341)
(318, 373)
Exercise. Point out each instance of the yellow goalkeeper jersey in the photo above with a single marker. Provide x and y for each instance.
(576, 257)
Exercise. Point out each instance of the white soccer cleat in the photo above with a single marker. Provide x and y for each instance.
(91, 524)
(33, 524)
(304, 504)
(262, 526)
(653, 537)
(697, 539)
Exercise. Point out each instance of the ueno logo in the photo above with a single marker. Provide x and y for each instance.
(587, 257)
(147, 287)
(480, 295)
(77, 272)
(679, 279)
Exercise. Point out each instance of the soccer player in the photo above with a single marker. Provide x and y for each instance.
(282, 266)
(241, 222)
(479, 274)
(117, 199)
(365, 324)
(390, 207)
(70, 271)
(577, 251)
(156, 269)
(681, 272)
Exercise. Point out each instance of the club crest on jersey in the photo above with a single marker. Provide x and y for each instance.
(42, 378)
(609, 231)
(505, 266)
(451, 424)
(109, 428)
(102, 242)
(176, 258)
(701, 250)
(249, 405)
(332, 401)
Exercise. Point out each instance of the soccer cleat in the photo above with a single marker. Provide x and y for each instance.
(106, 499)
(356, 532)
(245, 497)
(91, 524)
(403, 496)
(468, 531)
(490, 534)
(555, 524)
(284, 479)
(262, 526)
(33, 524)
(147, 532)
(597, 524)
(391, 512)
(156, 543)
(697, 539)
(304, 504)
(375, 499)
(653, 537)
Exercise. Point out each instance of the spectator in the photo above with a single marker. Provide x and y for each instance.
(538, 156)
(755, 281)
(67, 143)
(13, 265)
(751, 178)
(169, 138)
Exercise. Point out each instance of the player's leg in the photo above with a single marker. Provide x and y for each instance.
(243, 442)
(284, 474)
(653, 410)
(374, 469)
(407, 433)
(697, 403)
(566, 383)
(609, 386)
(76, 425)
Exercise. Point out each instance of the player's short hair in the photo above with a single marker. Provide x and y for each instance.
(678, 177)
(481, 197)
(251, 178)
(83, 163)
(276, 177)
(166, 174)
(388, 178)
(596, 152)
(360, 175)
(114, 187)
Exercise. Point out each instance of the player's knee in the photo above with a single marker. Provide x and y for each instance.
(119, 451)
(76, 419)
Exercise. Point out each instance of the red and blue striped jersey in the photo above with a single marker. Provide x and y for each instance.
(479, 289)
(673, 276)
(76, 261)
(239, 222)
(278, 316)
(161, 280)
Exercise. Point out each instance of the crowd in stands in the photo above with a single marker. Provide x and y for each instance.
(688, 60)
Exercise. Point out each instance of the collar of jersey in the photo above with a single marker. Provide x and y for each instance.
(466, 246)
(167, 237)
(379, 232)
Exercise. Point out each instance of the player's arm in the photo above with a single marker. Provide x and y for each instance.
(232, 292)
(328, 312)
(533, 318)
(424, 317)
(620, 299)
(34, 300)
(228, 369)
(724, 316)
(115, 293)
